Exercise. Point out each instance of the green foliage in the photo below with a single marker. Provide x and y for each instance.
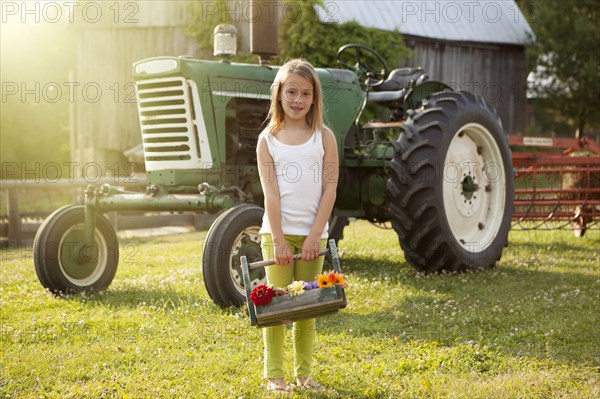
(205, 16)
(568, 68)
(202, 25)
(527, 329)
(303, 35)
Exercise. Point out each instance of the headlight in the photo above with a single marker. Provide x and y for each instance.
(156, 66)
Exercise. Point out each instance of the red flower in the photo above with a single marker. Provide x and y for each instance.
(262, 295)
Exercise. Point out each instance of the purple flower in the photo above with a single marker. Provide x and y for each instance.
(310, 285)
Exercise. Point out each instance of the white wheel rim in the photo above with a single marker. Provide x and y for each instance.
(235, 271)
(102, 258)
(474, 187)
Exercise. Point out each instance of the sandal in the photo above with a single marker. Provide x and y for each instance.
(277, 385)
(310, 384)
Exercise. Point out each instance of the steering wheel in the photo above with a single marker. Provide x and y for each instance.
(361, 55)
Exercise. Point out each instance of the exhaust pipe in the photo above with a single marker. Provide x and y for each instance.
(264, 29)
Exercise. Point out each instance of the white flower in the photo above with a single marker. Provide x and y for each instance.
(296, 288)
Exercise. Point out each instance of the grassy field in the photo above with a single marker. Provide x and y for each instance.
(529, 328)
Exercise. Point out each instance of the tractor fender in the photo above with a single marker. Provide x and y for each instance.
(415, 96)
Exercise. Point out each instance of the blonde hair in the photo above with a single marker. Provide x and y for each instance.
(307, 71)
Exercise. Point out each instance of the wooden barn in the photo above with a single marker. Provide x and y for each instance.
(104, 120)
(476, 46)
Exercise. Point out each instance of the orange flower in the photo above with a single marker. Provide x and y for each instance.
(331, 278)
(323, 281)
(340, 280)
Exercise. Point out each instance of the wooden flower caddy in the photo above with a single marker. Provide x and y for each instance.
(284, 309)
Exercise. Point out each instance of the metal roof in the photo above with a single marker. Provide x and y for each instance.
(482, 21)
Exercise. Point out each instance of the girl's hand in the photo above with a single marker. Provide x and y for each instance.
(311, 247)
(283, 255)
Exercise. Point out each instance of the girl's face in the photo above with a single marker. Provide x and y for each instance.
(297, 97)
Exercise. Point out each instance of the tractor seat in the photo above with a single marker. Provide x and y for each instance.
(400, 78)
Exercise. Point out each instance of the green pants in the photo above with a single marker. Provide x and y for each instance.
(303, 331)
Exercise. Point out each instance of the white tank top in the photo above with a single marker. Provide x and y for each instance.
(299, 171)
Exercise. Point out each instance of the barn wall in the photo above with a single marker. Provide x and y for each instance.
(106, 121)
(497, 73)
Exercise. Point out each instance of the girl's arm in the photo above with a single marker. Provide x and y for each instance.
(268, 180)
(330, 174)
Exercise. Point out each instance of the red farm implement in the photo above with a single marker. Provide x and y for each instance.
(557, 183)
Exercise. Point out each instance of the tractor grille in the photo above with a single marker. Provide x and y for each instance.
(169, 123)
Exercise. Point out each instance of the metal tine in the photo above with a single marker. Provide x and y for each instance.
(264, 263)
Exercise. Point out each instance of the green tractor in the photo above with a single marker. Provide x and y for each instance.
(438, 167)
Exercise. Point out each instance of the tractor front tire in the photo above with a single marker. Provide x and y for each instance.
(451, 185)
(233, 234)
(63, 264)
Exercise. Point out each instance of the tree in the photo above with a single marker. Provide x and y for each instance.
(567, 66)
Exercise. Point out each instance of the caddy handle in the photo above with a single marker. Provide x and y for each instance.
(269, 262)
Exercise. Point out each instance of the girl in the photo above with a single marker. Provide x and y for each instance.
(298, 164)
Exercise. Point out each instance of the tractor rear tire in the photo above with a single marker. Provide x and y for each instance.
(233, 234)
(451, 186)
(57, 248)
